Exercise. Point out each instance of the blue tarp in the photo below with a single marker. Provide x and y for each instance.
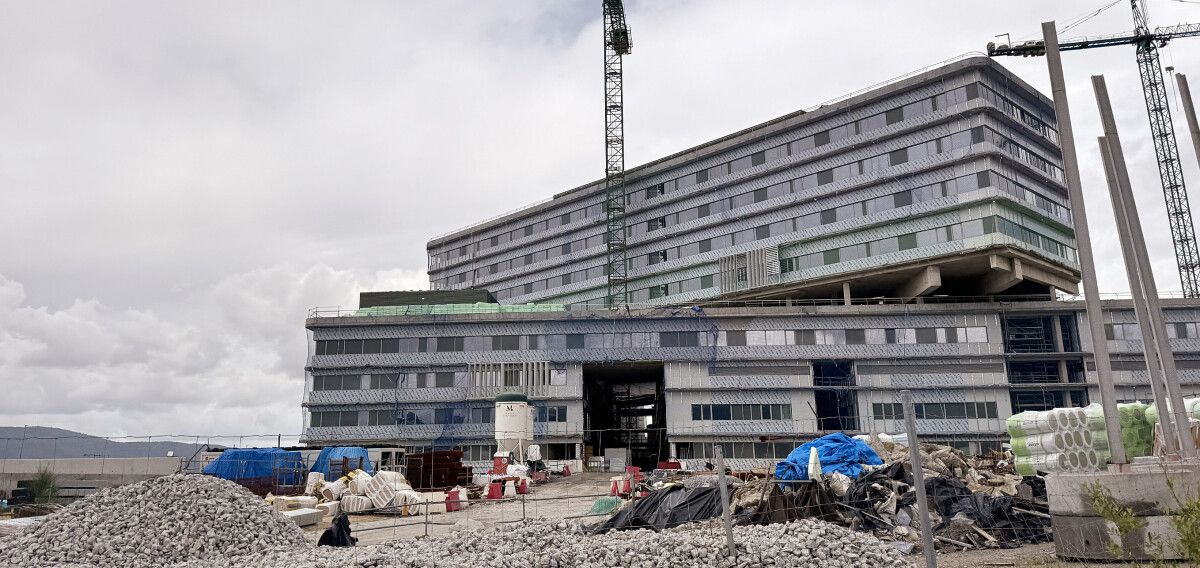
(837, 452)
(286, 467)
(336, 454)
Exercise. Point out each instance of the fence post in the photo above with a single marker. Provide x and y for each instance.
(724, 499)
(426, 518)
(914, 452)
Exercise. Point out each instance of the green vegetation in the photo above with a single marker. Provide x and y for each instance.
(44, 486)
(1120, 516)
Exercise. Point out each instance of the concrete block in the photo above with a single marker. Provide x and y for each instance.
(1146, 492)
(305, 517)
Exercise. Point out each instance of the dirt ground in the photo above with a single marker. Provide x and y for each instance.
(1028, 556)
(563, 497)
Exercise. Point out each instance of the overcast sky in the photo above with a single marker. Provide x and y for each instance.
(181, 182)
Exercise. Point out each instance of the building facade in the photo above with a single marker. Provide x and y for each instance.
(786, 281)
(662, 383)
(938, 182)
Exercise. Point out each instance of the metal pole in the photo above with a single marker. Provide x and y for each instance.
(1141, 309)
(1189, 111)
(1170, 375)
(1083, 245)
(914, 453)
(724, 498)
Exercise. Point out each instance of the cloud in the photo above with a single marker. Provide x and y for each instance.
(234, 364)
(182, 181)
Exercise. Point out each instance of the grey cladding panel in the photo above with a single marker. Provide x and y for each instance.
(772, 370)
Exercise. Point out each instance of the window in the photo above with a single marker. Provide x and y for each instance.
(735, 338)
(856, 337)
(575, 341)
(741, 412)
(678, 339)
(444, 380)
(389, 381)
(551, 414)
(334, 418)
(506, 342)
(336, 382)
(381, 418)
(449, 344)
(927, 335)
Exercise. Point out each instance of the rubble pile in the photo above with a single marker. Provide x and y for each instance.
(154, 523)
(554, 544)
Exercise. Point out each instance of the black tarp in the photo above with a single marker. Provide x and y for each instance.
(667, 508)
(338, 533)
(949, 496)
(804, 500)
(876, 487)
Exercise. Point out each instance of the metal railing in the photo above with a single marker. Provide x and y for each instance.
(699, 305)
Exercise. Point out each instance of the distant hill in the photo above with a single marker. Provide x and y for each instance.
(41, 442)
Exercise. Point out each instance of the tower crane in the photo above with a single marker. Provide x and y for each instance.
(616, 45)
(1147, 41)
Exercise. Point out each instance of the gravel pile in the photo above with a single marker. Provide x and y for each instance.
(194, 521)
(155, 523)
(551, 544)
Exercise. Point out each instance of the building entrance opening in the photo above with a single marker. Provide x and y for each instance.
(837, 403)
(625, 414)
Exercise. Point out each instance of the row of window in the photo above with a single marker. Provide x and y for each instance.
(741, 412)
(780, 450)
(903, 155)
(928, 237)
(427, 344)
(733, 338)
(818, 139)
(1133, 332)
(383, 381)
(392, 417)
(744, 450)
(935, 410)
(861, 126)
(484, 452)
(874, 336)
(859, 209)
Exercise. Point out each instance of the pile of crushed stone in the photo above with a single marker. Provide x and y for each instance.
(559, 544)
(172, 519)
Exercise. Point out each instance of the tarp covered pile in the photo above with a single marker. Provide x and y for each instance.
(281, 466)
(838, 453)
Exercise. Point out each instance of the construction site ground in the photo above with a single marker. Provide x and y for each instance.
(573, 496)
(563, 497)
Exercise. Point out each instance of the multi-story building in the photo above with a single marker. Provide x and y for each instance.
(786, 281)
(946, 182)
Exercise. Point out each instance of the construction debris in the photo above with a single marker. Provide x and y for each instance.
(155, 523)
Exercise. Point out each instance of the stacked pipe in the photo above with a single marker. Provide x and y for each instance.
(1057, 440)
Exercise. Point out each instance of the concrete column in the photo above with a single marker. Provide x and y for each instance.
(1189, 111)
(1116, 155)
(846, 293)
(1149, 347)
(1056, 325)
(1083, 243)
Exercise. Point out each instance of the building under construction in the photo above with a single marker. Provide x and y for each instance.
(783, 281)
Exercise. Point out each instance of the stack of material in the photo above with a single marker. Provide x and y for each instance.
(1059, 440)
(441, 469)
